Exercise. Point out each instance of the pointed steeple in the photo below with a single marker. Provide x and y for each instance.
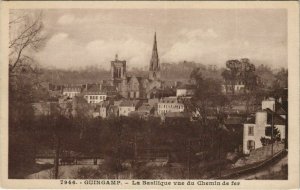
(154, 62)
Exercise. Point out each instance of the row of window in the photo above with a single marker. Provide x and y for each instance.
(96, 97)
(268, 131)
(163, 111)
(124, 109)
(171, 106)
(71, 94)
(133, 94)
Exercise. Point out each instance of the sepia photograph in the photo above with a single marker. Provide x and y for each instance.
(148, 94)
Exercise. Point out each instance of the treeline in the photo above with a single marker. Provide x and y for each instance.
(169, 71)
(121, 139)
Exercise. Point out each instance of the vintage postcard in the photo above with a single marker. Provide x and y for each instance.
(162, 94)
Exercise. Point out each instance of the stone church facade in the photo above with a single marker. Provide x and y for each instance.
(135, 87)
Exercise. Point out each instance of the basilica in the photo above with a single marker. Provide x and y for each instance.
(136, 87)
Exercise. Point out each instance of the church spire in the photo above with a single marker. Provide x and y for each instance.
(154, 62)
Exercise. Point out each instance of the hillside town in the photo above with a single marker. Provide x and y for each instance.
(181, 119)
(255, 125)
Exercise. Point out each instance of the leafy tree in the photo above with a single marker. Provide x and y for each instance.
(281, 79)
(266, 76)
(276, 136)
(240, 71)
(207, 94)
(232, 73)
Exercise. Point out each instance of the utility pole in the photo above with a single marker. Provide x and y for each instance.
(220, 144)
(272, 129)
(286, 131)
(189, 158)
(119, 128)
(56, 161)
(135, 148)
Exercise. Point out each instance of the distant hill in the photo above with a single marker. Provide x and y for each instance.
(169, 71)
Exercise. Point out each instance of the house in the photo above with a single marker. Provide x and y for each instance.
(103, 109)
(272, 104)
(160, 93)
(96, 111)
(185, 90)
(72, 91)
(238, 87)
(259, 127)
(127, 106)
(113, 111)
(169, 104)
(143, 112)
(146, 108)
(94, 95)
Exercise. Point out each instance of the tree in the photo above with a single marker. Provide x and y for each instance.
(25, 32)
(247, 75)
(232, 73)
(207, 94)
(25, 35)
(276, 136)
(240, 71)
(266, 76)
(281, 79)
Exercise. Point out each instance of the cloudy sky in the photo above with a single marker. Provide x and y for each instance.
(80, 38)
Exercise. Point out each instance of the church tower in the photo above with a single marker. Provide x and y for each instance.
(118, 74)
(154, 70)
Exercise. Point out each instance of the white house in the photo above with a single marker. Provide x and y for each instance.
(185, 90)
(169, 104)
(95, 98)
(271, 103)
(71, 91)
(127, 106)
(103, 109)
(95, 95)
(238, 87)
(259, 127)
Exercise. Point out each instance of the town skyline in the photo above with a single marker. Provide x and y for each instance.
(104, 33)
(219, 112)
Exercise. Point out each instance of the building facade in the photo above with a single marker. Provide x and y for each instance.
(135, 87)
(260, 127)
(127, 106)
(169, 104)
(185, 90)
(72, 91)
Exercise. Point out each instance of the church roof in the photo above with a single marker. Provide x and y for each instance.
(154, 62)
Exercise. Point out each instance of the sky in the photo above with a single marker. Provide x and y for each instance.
(81, 37)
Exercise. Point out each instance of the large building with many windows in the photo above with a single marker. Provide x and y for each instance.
(169, 104)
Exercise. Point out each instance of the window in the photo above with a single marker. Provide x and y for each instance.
(268, 131)
(251, 145)
(251, 131)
